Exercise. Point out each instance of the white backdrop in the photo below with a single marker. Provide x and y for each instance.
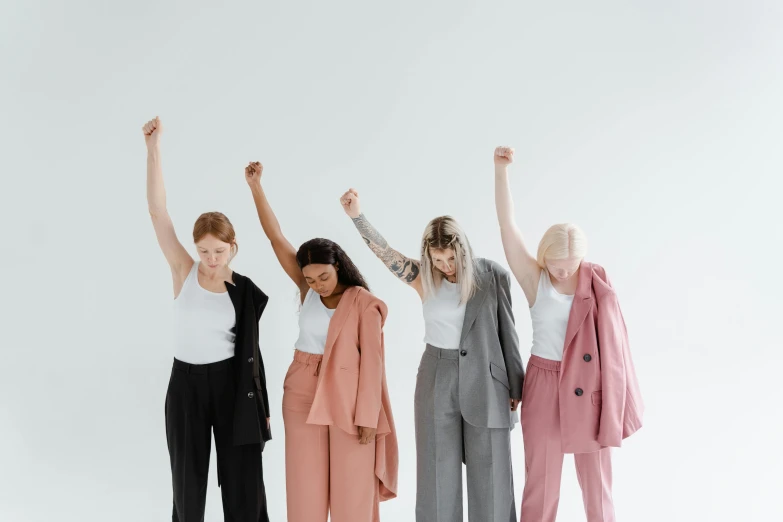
(656, 126)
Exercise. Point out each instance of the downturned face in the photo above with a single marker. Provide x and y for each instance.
(444, 260)
(321, 278)
(213, 252)
(563, 269)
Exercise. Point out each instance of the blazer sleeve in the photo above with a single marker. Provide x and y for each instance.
(371, 366)
(509, 340)
(612, 345)
(260, 299)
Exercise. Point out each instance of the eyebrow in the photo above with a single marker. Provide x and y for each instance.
(319, 275)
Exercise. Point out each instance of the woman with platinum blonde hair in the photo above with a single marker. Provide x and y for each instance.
(580, 395)
(470, 376)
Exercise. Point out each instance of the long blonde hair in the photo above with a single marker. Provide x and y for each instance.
(443, 233)
(562, 241)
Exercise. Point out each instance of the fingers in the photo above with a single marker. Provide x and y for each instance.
(349, 196)
(254, 169)
(504, 152)
(151, 126)
(366, 435)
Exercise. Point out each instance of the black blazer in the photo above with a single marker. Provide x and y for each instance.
(252, 401)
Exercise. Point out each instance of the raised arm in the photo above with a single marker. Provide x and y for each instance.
(178, 258)
(405, 268)
(523, 265)
(284, 250)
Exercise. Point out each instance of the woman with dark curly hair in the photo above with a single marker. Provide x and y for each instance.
(340, 441)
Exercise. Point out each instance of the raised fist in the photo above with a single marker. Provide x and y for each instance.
(253, 173)
(152, 130)
(350, 203)
(504, 156)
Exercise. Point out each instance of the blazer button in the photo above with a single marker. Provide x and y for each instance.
(587, 357)
(250, 395)
(463, 353)
(578, 392)
(250, 359)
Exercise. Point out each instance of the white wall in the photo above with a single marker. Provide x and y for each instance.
(654, 125)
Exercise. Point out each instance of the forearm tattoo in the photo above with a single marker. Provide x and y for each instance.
(403, 267)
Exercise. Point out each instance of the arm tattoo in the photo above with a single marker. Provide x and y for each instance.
(403, 267)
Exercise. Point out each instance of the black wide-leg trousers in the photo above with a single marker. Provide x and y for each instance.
(200, 399)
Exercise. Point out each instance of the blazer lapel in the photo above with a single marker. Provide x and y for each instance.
(473, 307)
(583, 302)
(235, 293)
(341, 314)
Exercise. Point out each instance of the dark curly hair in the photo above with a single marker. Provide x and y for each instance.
(321, 251)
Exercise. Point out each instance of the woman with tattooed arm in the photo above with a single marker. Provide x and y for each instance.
(470, 376)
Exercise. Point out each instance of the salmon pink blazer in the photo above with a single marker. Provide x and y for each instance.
(351, 389)
(600, 401)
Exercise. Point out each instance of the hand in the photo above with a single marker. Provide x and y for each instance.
(268, 426)
(504, 156)
(152, 130)
(253, 173)
(366, 435)
(514, 404)
(350, 203)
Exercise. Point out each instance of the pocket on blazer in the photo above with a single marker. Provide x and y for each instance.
(499, 374)
(596, 398)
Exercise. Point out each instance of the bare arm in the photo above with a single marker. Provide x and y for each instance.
(523, 265)
(405, 268)
(284, 250)
(178, 258)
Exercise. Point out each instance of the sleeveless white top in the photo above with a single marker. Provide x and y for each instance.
(549, 315)
(203, 323)
(443, 316)
(314, 319)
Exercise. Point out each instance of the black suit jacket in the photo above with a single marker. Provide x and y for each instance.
(252, 401)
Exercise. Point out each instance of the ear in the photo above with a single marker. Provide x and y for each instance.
(337, 267)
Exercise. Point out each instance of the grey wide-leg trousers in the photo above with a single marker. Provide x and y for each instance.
(444, 441)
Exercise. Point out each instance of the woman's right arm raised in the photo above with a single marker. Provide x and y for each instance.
(178, 258)
(284, 250)
(523, 265)
(405, 268)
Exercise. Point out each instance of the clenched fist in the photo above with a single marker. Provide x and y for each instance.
(152, 130)
(350, 203)
(253, 173)
(504, 156)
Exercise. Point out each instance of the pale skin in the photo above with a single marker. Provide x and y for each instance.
(563, 272)
(321, 278)
(405, 268)
(213, 272)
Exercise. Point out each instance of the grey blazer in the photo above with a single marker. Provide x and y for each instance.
(490, 369)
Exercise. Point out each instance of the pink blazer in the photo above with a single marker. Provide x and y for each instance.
(351, 389)
(600, 402)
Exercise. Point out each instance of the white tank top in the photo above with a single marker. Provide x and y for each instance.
(549, 315)
(314, 319)
(443, 316)
(203, 323)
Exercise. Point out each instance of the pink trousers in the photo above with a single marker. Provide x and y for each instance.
(540, 419)
(327, 470)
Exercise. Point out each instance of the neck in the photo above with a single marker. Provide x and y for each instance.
(221, 272)
(334, 297)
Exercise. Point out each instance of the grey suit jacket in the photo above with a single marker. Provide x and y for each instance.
(490, 369)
